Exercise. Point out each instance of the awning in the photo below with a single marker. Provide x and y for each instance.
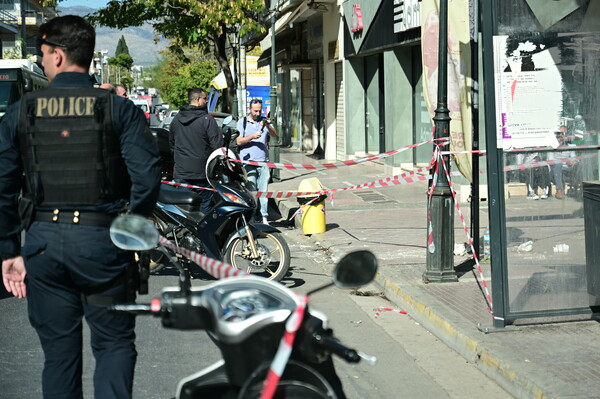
(219, 82)
(265, 58)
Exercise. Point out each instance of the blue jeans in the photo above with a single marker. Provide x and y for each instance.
(258, 177)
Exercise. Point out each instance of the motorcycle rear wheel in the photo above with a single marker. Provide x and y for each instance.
(273, 260)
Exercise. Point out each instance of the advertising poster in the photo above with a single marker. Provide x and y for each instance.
(459, 74)
(528, 94)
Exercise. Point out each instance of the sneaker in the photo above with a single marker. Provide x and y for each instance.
(532, 196)
(543, 196)
(265, 221)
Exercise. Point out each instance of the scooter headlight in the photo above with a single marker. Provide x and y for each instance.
(235, 199)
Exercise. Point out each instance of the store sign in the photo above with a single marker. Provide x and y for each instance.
(407, 15)
(357, 19)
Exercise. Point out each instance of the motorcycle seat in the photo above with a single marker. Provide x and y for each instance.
(177, 195)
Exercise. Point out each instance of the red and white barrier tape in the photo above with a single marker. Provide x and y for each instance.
(384, 309)
(385, 182)
(352, 162)
(172, 183)
(214, 267)
(285, 349)
(537, 164)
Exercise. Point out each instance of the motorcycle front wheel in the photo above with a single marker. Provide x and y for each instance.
(273, 258)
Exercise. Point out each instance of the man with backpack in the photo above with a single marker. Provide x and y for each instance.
(252, 141)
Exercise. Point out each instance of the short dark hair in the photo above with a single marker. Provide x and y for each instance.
(256, 101)
(73, 34)
(194, 94)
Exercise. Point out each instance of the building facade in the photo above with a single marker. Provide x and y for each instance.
(21, 19)
(349, 77)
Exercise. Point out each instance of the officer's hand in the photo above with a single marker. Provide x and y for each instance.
(13, 276)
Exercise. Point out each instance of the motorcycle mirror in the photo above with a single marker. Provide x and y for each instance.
(133, 233)
(227, 120)
(355, 269)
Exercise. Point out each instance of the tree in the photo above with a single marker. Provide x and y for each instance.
(122, 60)
(121, 47)
(200, 24)
(174, 76)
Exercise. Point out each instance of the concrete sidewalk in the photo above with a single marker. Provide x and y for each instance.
(534, 359)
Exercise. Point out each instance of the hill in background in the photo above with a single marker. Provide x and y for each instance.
(140, 39)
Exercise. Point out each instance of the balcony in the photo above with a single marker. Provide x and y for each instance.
(8, 22)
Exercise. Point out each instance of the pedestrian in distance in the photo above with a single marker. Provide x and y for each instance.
(194, 135)
(109, 87)
(121, 91)
(254, 131)
(86, 156)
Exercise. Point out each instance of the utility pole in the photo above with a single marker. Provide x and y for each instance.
(275, 141)
(440, 255)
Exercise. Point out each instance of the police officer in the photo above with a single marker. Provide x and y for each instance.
(86, 155)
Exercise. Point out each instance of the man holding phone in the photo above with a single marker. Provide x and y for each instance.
(252, 141)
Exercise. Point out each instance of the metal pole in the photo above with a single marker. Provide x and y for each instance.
(275, 142)
(243, 107)
(440, 256)
(236, 71)
(475, 196)
(23, 31)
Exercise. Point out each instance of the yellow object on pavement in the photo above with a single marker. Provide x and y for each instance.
(312, 206)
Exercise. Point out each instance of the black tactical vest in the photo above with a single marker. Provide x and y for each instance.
(71, 154)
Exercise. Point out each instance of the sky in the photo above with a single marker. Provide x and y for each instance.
(88, 3)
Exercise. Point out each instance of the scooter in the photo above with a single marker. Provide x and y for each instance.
(227, 232)
(246, 317)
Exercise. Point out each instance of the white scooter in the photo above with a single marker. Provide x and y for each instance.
(247, 317)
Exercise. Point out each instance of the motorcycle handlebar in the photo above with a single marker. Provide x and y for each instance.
(336, 347)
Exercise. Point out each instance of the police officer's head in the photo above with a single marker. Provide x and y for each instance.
(67, 45)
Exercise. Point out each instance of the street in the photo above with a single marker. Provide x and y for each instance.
(412, 363)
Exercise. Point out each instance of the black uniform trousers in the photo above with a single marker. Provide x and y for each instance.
(63, 260)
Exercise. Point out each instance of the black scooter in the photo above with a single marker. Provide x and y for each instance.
(246, 318)
(227, 232)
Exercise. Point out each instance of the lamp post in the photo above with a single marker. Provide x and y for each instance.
(440, 253)
(274, 145)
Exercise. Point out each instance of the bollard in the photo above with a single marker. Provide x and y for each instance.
(312, 207)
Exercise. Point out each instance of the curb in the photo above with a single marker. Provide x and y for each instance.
(474, 351)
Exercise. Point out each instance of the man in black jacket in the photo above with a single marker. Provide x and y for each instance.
(194, 135)
(86, 155)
